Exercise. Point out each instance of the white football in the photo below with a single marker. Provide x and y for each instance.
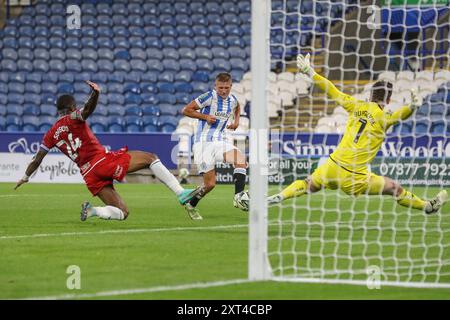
(183, 173)
(242, 200)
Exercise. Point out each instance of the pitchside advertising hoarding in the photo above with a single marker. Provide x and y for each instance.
(422, 160)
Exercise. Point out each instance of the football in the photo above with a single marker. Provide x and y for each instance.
(242, 200)
(183, 173)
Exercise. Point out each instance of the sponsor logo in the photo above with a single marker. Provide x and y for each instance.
(62, 168)
(220, 114)
(20, 145)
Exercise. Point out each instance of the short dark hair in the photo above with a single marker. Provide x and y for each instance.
(66, 101)
(381, 91)
(223, 77)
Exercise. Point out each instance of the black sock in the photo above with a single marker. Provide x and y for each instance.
(194, 201)
(239, 176)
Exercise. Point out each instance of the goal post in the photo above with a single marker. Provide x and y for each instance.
(258, 264)
(329, 236)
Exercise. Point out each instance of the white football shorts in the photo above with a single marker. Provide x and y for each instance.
(207, 154)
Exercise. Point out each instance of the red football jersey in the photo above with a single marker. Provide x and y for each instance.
(73, 137)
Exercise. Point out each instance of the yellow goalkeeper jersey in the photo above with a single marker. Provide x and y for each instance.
(366, 127)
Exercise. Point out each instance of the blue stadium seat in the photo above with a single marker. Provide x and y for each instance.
(48, 87)
(117, 98)
(3, 99)
(8, 65)
(239, 64)
(10, 42)
(33, 98)
(220, 52)
(201, 76)
(205, 65)
(89, 65)
(48, 110)
(24, 65)
(149, 98)
(181, 8)
(122, 53)
(104, 8)
(116, 110)
(150, 128)
(25, 54)
(217, 30)
(73, 54)
(166, 76)
(30, 123)
(185, 42)
(15, 98)
(114, 87)
(2, 116)
(235, 41)
(200, 86)
(183, 87)
(122, 65)
(18, 77)
(233, 30)
(153, 42)
(188, 65)
(105, 65)
(132, 87)
(89, 32)
(3, 88)
(170, 53)
(9, 53)
(12, 119)
(74, 43)
(73, 65)
(187, 53)
(166, 98)
(65, 88)
(151, 21)
(133, 110)
(134, 8)
(169, 31)
(237, 52)
(32, 87)
(101, 110)
(135, 20)
(183, 20)
(149, 87)
(105, 43)
(100, 77)
(183, 76)
(231, 19)
(105, 53)
(16, 87)
(170, 42)
(155, 65)
(203, 53)
(154, 53)
(81, 87)
(31, 110)
(184, 31)
(151, 120)
(169, 110)
(183, 98)
(14, 109)
(422, 128)
(166, 87)
(133, 98)
(151, 111)
(104, 21)
(138, 65)
(217, 41)
(197, 8)
(137, 53)
(439, 128)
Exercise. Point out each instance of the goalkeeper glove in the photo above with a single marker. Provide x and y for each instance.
(304, 65)
(415, 101)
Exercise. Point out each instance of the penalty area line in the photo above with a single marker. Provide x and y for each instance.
(200, 285)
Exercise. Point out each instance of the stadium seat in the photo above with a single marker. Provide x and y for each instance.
(166, 76)
(148, 87)
(73, 65)
(137, 53)
(166, 98)
(122, 65)
(222, 65)
(8, 65)
(117, 98)
(205, 65)
(14, 109)
(133, 110)
(166, 87)
(155, 65)
(26, 54)
(151, 111)
(149, 99)
(132, 98)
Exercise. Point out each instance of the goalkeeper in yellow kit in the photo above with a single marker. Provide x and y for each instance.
(347, 167)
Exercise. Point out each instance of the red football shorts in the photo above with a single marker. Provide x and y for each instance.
(106, 168)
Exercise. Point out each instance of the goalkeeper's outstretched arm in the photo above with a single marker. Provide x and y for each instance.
(345, 100)
(404, 112)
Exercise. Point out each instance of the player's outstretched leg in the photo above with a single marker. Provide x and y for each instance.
(209, 182)
(141, 160)
(406, 198)
(115, 208)
(236, 158)
(295, 189)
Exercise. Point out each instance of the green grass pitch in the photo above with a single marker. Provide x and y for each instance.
(159, 249)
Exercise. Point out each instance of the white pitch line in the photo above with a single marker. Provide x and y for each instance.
(65, 234)
(200, 285)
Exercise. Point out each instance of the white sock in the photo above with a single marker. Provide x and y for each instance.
(166, 177)
(107, 213)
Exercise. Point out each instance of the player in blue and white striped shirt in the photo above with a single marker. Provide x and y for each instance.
(213, 110)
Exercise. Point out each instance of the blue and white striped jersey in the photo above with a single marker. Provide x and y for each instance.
(213, 104)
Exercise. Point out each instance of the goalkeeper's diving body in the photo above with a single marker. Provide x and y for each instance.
(347, 167)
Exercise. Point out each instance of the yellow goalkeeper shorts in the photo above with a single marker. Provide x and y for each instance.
(330, 175)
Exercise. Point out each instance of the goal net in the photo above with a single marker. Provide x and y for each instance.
(329, 236)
